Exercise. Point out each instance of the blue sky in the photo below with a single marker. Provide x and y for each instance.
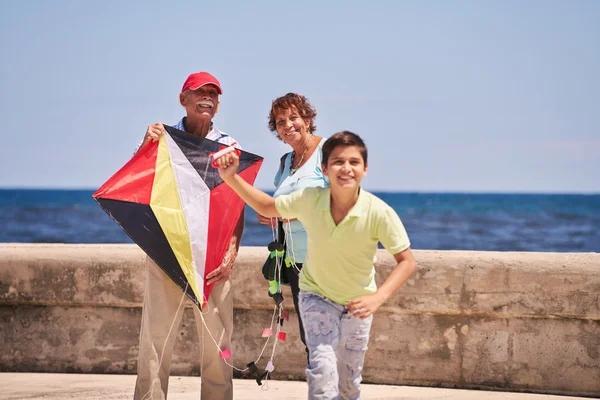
(458, 96)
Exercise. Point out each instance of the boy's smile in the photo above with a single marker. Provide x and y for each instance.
(346, 167)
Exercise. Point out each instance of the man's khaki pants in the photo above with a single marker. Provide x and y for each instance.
(161, 302)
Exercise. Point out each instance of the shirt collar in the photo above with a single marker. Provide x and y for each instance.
(324, 203)
(214, 133)
(181, 126)
(361, 204)
(325, 200)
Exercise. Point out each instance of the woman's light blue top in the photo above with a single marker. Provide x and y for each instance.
(308, 175)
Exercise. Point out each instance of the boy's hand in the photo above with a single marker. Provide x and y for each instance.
(153, 133)
(228, 165)
(364, 306)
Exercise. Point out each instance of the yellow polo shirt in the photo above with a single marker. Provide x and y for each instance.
(339, 262)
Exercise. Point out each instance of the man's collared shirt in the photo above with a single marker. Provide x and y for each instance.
(215, 135)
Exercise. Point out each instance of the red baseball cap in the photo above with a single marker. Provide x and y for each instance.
(199, 79)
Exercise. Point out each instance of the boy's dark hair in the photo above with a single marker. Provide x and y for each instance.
(344, 138)
(293, 101)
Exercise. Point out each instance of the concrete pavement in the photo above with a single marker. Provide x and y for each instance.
(20, 386)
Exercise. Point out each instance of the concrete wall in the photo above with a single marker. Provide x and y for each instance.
(511, 321)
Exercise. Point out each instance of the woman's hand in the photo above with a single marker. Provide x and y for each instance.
(272, 222)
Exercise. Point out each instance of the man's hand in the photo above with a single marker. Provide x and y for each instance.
(228, 165)
(223, 272)
(153, 133)
(364, 306)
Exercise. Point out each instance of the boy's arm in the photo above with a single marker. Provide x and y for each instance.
(261, 202)
(364, 306)
(403, 271)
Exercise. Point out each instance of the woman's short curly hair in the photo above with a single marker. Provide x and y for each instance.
(293, 101)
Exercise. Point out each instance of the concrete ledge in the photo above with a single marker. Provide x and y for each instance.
(512, 321)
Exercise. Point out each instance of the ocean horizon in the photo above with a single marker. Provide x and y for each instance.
(483, 221)
(407, 191)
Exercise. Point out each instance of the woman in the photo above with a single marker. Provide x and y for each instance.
(292, 119)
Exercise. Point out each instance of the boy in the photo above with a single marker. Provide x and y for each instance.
(338, 295)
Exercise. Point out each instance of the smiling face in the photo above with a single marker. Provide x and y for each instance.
(282, 109)
(291, 128)
(345, 168)
(201, 103)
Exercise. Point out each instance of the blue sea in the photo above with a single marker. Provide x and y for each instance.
(441, 221)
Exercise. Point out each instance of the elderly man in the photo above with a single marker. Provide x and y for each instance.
(163, 311)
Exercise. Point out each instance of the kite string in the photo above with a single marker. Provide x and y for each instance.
(206, 170)
(273, 230)
(217, 344)
(268, 337)
(278, 268)
(278, 309)
(162, 353)
(287, 227)
(279, 262)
